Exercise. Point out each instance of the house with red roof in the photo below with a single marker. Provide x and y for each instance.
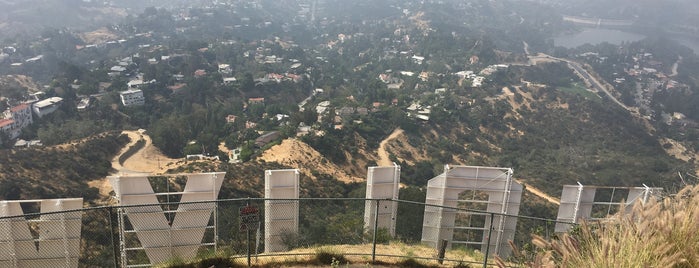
(6, 126)
(21, 115)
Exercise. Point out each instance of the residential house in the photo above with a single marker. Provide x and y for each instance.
(303, 130)
(294, 77)
(281, 117)
(117, 69)
(256, 100)
(478, 81)
(322, 107)
(6, 127)
(274, 77)
(249, 125)
(132, 97)
(199, 73)
(177, 87)
(267, 138)
(225, 69)
(424, 76)
(394, 86)
(135, 83)
(47, 106)
(386, 78)
(231, 118)
(407, 73)
(83, 104)
(362, 111)
(345, 111)
(423, 117)
(229, 80)
(389, 79)
(417, 59)
(21, 115)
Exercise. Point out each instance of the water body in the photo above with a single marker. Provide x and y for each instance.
(596, 36)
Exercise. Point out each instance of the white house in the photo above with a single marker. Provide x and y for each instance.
(132, 97)
(46, 106)
(83, 104)
(229, 80)
(417, 59)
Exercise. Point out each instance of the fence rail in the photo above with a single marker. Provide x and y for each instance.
(125, 236)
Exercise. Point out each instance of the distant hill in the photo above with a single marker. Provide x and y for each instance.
(32, 16)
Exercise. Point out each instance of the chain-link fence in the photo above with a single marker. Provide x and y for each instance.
(139, 236)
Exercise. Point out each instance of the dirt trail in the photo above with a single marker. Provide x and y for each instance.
(539, 193)
(148, 160)
(384, 159)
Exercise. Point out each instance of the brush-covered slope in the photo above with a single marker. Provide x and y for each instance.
(58, 171)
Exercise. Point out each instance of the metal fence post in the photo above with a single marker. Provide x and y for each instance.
(215, 227)
(248, 236)
(376, 227)
(487, 247)
(115, 248)
(442, 251)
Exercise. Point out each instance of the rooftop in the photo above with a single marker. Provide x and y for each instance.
(20, 107)
(48, 102)
(130, 91)
(6, 122)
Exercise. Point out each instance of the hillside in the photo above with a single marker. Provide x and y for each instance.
(296, 154)
(58, 171)
(419, 85)
(31, 17)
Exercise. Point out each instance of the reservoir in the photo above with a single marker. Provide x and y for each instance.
(596, 36)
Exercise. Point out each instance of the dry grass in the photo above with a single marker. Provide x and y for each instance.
(338, 256)
(662, 233)
(408, 251)
(296, 154)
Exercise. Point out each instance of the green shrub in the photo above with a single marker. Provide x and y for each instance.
(327, 256)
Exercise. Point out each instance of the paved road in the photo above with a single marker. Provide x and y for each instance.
(585, 75)
(580, 71)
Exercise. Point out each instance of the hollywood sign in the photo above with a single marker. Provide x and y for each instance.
(165, 234)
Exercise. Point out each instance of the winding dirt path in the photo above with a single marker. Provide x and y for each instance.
(384, 159)
(148, 160)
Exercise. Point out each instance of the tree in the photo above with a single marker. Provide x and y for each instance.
(410, 216)
(247, 151)
(247, 83)
(168, 135)
(5, 142)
